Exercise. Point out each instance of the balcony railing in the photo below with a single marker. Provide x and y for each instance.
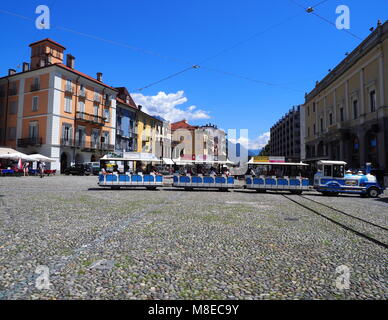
(97, 98)
(28, 142)
(35, 87)
(12, 92)
(94, 145)
(107, 147)
(69, 88)
(82, 94)
(87, 117)
(108, 103)
(80, 143)
(67, 142)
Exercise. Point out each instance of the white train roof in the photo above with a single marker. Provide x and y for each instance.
(332, 162)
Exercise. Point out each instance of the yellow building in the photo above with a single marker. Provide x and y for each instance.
(149, 131)
(346, 114)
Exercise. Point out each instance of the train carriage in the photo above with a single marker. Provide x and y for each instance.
(331, 179)
(118, 173)
(277, 176)
(201, 181)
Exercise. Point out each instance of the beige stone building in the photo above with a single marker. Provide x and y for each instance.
(346, 114)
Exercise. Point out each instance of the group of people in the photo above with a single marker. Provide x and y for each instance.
(26, 168)
(201, 170)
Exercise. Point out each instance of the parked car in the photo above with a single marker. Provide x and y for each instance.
(94, 167)
(77, 170)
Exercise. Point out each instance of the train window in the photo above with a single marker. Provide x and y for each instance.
(338, 171)
(327, 170)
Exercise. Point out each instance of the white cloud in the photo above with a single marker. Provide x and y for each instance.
(166, 106)
(253, 144)
(260, 141)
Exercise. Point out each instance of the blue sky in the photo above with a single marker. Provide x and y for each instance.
(149, 40)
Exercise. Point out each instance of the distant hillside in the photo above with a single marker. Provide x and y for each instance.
(253, 152)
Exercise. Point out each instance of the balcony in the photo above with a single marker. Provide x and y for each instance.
(35, 87)
(91, 118)
(67, 142)
(69, 89)
(29, 142)
(80, 143)
(97, 98)
(94, 145)
(12, 92)
(108, 103)
(107, 147)
(82, 94)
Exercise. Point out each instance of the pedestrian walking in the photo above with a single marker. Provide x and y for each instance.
(41, 168)
(26, 166)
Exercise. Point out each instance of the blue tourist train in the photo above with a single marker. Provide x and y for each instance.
(331, 179)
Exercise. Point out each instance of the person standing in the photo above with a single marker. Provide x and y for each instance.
(26, 168)
(41, 168)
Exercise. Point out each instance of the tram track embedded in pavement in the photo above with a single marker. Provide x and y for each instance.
(340, 224)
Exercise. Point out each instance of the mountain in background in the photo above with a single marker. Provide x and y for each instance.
(253, 152)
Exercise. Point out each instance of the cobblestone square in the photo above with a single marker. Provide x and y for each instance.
(173, 244)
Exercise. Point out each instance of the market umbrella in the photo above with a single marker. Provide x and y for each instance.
(16, 156)
(39, 157)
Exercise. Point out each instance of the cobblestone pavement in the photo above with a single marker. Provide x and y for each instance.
(171, 244)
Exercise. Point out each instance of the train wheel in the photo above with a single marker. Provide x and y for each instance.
(373, 192)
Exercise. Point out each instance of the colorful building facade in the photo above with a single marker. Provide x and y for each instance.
(55, 110)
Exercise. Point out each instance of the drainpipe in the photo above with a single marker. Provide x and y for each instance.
(6, 115)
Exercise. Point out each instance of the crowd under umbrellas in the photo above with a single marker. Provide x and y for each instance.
(16, 163)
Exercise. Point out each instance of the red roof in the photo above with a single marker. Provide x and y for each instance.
(127, 104)
(123, 95)
(83, 75)
(182, 125)
(49, 40)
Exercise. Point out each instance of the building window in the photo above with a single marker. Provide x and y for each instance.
(315, 129)
(308, 110)
(107, 115)
(33, 130)
(68, 85)
(313, 106)
(355, 109)
(331, 118)
(35, 103)
(106, 137)
(68, 102)
(321, 124)
(372, 99)
(81, 106)
(35, 84)
(13, 107)
(342, 115)
(11, 133)
(308, 131)
(67, 133)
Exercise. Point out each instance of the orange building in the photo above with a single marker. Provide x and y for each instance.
(52, 109)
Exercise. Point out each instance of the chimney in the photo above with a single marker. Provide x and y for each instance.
(11, 72)
(26, 66)
(99, 76)
(139, 107)
(70, 61)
